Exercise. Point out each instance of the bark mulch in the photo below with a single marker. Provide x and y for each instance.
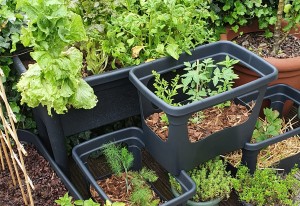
(214, 120)
(48, 186)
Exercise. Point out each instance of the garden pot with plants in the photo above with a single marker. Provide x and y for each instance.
(111, 36)
(279, 50)
(273, 139)
(213, 183)
(125, 145)
(254, 189)
(48, 179)
(177, 151)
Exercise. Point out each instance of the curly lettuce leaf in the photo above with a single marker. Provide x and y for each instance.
(56, 83)
(51, 26)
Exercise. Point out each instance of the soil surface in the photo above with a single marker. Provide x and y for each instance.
(48, 186)
(214, 120)
(259, 44)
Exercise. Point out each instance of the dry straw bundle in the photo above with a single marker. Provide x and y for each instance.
(272, 154)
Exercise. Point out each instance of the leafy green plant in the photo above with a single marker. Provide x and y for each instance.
(266, 187)
(66, 200)
(268, 127)
(196, 82)
(132, 32)
(120, 159)
(212, 181)
(202, 79)
(240, 13)
(291, 9)
(55, 79)
(11, 21)
(166, 91)
(200, 75)
(268, 13)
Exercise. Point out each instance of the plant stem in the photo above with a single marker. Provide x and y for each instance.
(277, 30)
(126, 180)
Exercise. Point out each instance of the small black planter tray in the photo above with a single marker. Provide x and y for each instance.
(132, 137)
(30, 138)
(277, 95)
(117, 100)
(177, 152)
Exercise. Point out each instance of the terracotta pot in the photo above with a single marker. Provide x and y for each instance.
(288, 69)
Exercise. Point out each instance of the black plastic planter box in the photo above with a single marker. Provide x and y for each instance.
(133, 138)
(276, 95)
(177, 152)
(117, 100)
(30, 138)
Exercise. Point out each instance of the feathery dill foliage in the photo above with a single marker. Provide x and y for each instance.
(120, 159)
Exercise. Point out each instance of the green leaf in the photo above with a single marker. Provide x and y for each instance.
(84, 96)
(171, 49)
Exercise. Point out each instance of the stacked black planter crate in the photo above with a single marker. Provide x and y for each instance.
(177, 152)
(133, 139)
(276, 96)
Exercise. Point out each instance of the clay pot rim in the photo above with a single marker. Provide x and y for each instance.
(290, 64)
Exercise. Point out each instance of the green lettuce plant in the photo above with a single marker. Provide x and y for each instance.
(55, 79)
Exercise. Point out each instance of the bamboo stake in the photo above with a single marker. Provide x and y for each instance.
(13, 160)
(9, 128)
(8, 160)
(2, 160)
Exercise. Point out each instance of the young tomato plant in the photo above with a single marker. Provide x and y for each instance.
(200, 75)
(205, 78)
(202, 79)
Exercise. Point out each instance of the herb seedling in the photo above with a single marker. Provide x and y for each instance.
(119, 159)
(200, 75)
(266, 187)
(211, 179)
(268, 127)
(165, 91)
(66, 200)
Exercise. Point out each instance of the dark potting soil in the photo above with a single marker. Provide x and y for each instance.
(48, 186)
(259, 44)
(214, 120)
